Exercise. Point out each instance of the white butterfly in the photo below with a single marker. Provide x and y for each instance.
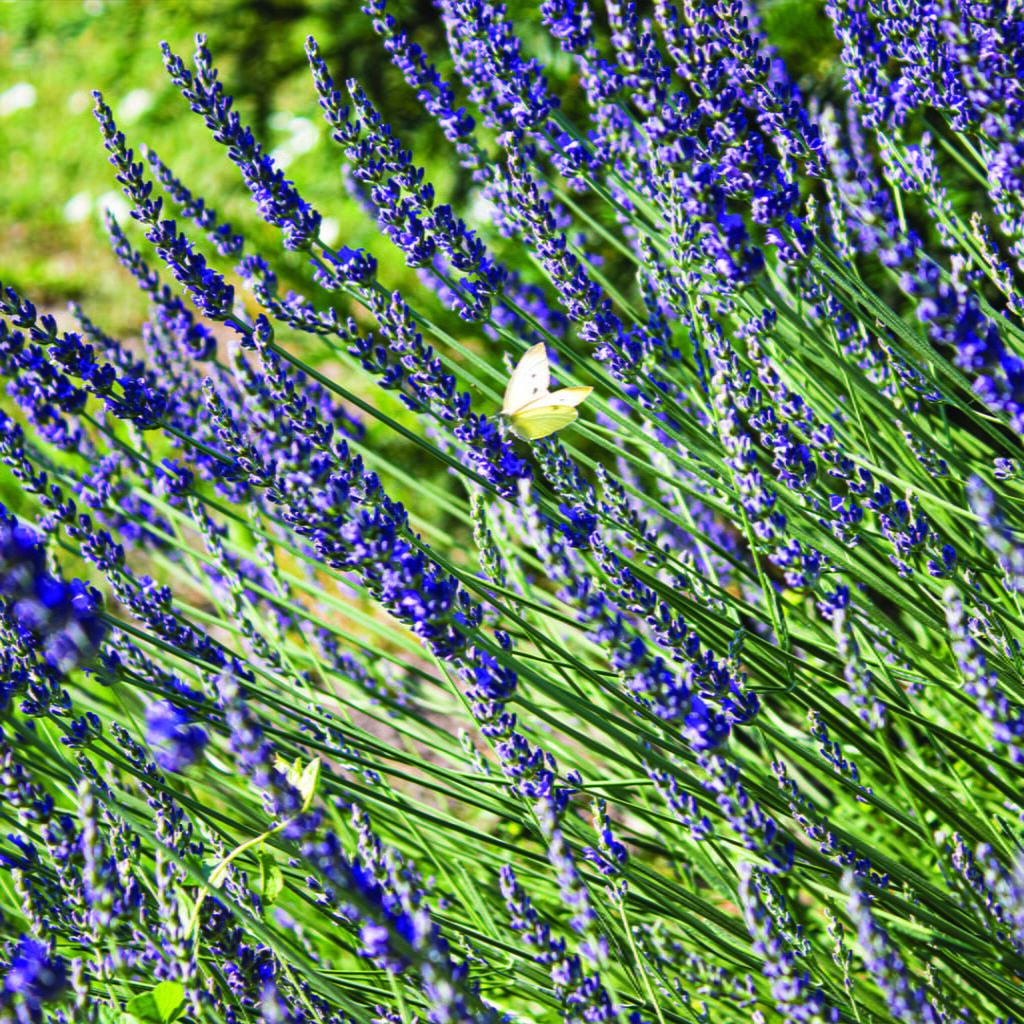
(530, 410)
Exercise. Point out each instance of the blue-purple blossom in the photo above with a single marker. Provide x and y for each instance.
(176, 742)
(276, 197)
(56, 618)
(904, 994)
(33, 977)
(582, 993)
(980, 682)
(768, 920)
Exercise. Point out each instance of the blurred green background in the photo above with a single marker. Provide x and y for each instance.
(57, 182)
(56, 177)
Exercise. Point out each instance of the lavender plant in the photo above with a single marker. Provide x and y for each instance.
(708, 707)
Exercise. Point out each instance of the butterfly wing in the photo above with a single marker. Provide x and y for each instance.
(563, 398)
(542, 420)
(529, 381)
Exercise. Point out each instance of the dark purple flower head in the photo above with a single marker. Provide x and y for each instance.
(173, 480)
(277, 198)
(22, 558)
(57, 618)
(33, 977)
(176, 744)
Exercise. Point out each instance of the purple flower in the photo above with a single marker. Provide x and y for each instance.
(768, 920)
(175, 742)
(34, 976)
(996, 532)
(757, 829)
(57, 618)
(582, 994)
(278, 200)
(1005, 716)
(905, 994)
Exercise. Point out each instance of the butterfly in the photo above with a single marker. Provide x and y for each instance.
(530, 410)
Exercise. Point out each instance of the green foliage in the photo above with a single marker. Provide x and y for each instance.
(163, 1004)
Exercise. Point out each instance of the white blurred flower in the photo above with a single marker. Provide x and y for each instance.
(281, 156)
(79, 101)
(18, 97)
(330, 228)
(134, 105)
(78, 207)
(481, 211)
(116, 204)
(305, 134)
